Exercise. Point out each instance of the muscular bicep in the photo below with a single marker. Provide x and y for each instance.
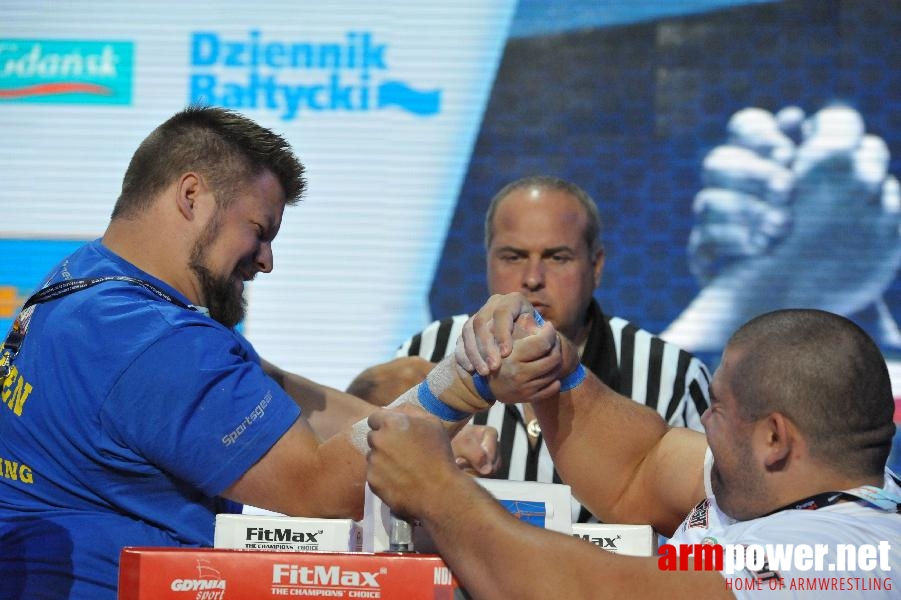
(670, 481)
(621, 459)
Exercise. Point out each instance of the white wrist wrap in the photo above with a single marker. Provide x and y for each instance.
(441, 376)
(358, 435)
(424, 396)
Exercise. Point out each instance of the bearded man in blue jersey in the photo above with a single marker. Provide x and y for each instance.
(134, 412)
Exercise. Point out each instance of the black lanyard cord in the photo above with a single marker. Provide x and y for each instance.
(875, 496)
(16, 334)
(64, 288)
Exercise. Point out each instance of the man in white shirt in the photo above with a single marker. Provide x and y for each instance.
(797, 436)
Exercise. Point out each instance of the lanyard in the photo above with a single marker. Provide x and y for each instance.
(878, 497)
(16, 334)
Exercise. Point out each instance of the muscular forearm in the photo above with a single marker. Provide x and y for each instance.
(303, 476)
(496, 556)
(318, 467)
(615, 453)
(326, 409)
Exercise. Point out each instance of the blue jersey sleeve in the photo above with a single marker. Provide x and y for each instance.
(198, 406)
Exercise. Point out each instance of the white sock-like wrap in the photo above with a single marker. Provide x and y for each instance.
(425, 396)
(359, 433)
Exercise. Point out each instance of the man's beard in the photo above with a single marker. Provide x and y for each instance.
(224, 300)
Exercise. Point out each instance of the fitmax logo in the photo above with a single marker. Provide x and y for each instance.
(283, 574)
(282, 535)
(603, 542)
(294, 77)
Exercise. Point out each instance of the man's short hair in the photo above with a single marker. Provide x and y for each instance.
(224, 146)
(592, 232)
(827, 376)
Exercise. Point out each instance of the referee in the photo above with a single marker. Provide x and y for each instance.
(542, 237)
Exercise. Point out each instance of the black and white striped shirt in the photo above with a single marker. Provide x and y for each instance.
(632, 361)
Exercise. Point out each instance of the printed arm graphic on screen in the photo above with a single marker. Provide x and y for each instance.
(795, 211)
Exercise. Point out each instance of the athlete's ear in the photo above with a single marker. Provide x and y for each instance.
(187, 191)
(780, 437)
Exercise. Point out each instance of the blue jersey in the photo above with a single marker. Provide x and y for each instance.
(123, 418)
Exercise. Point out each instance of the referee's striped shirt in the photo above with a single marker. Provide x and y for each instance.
(630, 360)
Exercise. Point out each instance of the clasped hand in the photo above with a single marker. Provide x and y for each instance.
(521, 359)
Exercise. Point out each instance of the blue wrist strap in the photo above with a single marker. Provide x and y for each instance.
(573, 379)
(433, 404)
(482, 387)
(481, 383)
